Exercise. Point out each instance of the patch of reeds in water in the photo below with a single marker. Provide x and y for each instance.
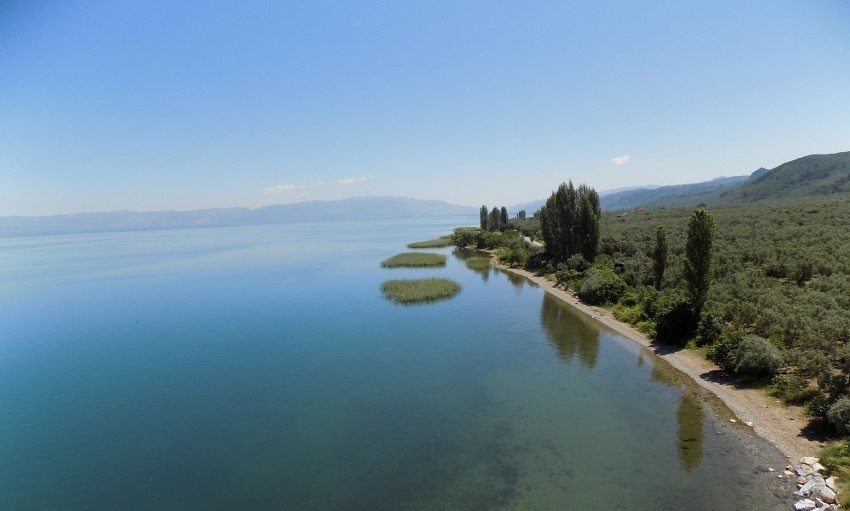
(409, 291)
(443, 241)
(414, 260)
(478, 263)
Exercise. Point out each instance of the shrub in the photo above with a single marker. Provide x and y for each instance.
(789, 387)
(464, 237)
(578, 263)
(724, 351)
(491, 239)
(675, 321)
(839, 415)
(628, 314)
(709, 328)
(647, 328)
(602, 285)
(818, 406)
(515, 256)
(757, 357)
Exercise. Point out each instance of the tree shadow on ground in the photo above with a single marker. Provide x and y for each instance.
(663, 348)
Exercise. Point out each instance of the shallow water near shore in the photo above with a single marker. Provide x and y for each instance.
(260, 368)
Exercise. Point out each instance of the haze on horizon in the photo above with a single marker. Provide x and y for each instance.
(160, 105)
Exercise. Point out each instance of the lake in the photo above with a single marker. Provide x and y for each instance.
(261, 368)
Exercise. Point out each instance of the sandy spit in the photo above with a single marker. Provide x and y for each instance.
(780, 425)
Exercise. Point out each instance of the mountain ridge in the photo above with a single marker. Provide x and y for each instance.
(352, 208)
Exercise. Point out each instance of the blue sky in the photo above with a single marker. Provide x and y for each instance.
(153, 105)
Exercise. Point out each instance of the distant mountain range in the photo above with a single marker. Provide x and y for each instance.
(675, 195)
(817, 174)
(355, 208)
(813, 175)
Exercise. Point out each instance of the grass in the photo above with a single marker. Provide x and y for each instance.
(836, 458)
(410, 291)
(414, 260)
(443, 241)
(478, 263)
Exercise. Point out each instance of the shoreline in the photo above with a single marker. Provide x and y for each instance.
(780, 425)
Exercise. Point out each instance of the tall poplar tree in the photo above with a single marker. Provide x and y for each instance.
(494, 223)
(589, 211)
(484, 214)
(569, 222)
(698, 254)
(659, 256)
(503, 216)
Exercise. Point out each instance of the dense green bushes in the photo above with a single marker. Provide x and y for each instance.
(839, 415)
(602, 285)
(781, 272)
(757, 357)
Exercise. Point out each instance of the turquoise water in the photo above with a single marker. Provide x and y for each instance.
(260, 368)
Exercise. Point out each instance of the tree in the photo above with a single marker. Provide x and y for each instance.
(587, 229)
(463, 237)
(521, 214)
(494, 223)
(503, 216)
(484, 214)
(569, 222)
(698, 253)
(659, 256)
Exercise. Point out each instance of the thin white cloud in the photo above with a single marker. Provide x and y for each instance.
(352, 180)
(621, 160)
(279, 189)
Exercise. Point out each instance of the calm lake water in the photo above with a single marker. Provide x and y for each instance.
(260, 368)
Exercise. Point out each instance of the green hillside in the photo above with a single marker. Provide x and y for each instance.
(809, 176)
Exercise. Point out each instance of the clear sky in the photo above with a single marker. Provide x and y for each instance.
(148, 105)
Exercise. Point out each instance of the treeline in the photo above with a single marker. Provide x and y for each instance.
(495, 220)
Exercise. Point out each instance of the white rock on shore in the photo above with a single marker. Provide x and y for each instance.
(817, 492)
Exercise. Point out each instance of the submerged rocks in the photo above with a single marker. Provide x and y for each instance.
(816, 491)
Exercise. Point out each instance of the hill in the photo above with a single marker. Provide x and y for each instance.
(355, 208)
(809, 176)
(674, 195)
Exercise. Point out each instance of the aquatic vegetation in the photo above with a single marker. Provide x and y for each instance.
(414, 259)
(478, 263)
(443, 241)
(419, 290)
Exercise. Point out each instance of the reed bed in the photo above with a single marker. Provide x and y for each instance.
(478, 263)
(409, 291)
(414, 260)
(441, 242)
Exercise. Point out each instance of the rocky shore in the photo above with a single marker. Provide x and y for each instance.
(814, 488)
